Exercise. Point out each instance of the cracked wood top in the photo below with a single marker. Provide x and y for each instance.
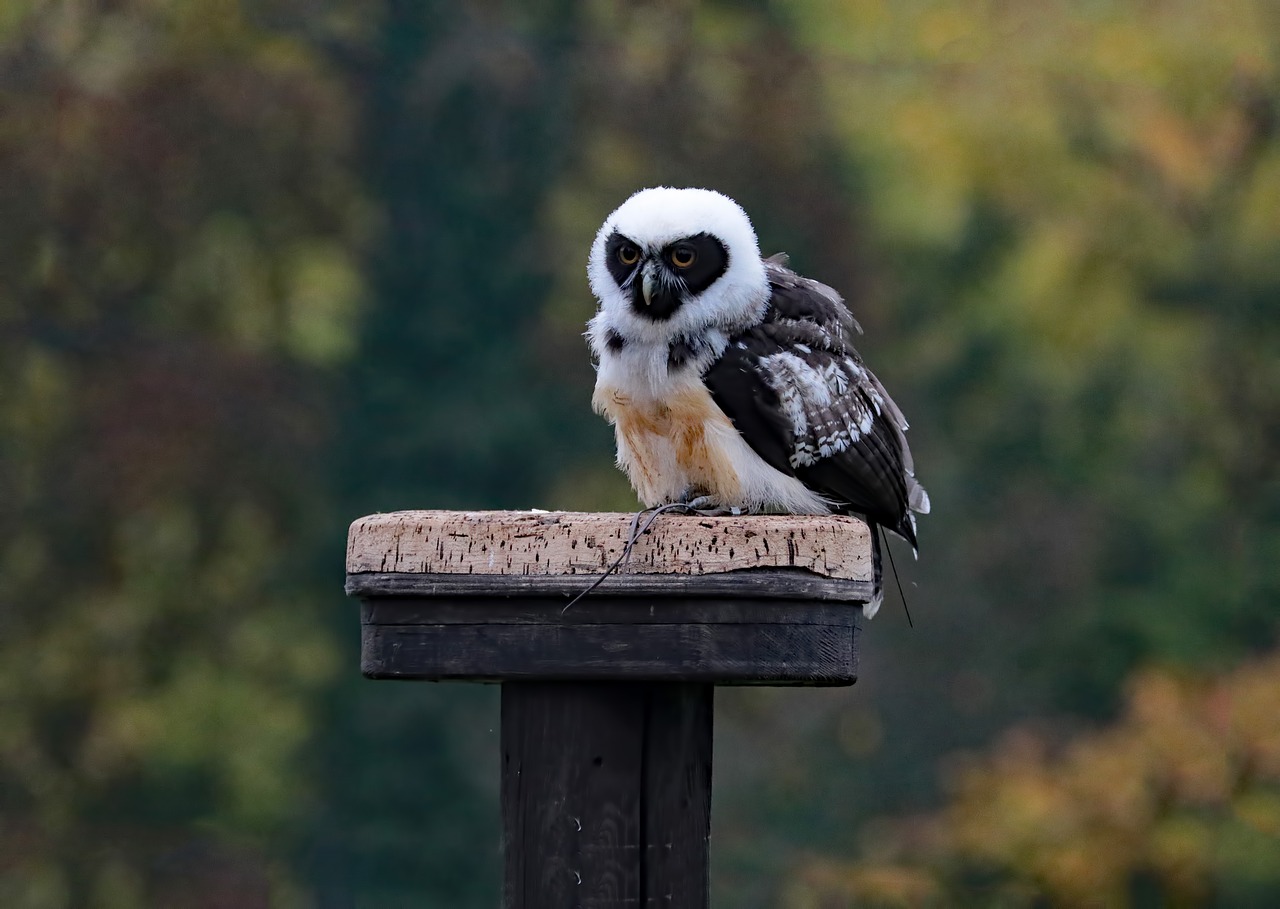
(555, 544)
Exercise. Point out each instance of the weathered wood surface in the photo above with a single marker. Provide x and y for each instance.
(607, 703)
(723, 641)
(577, 543)
(606, 795)
(626, 610)
(489, 596)
(752, 583)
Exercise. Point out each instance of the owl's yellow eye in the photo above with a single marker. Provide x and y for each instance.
(683, 256)
(628, 254)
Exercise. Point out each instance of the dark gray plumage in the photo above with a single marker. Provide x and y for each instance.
(798, 392)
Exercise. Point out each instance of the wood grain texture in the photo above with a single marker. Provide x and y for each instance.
(630, 610)
(677, 796)
(572, 761)
(607, 704)
(577, 543)
(606, 795)
(727, 642)
(761, 583)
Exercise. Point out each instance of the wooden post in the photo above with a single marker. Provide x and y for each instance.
(606, 793)
(607, 705)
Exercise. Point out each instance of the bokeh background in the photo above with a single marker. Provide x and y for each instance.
(268, 266)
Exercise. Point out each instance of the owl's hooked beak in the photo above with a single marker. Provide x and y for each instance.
(647, 282)
(653, 295)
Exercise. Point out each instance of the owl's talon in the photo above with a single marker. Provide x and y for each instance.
(710, 507)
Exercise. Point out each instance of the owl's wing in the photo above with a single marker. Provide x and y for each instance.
(799, 394)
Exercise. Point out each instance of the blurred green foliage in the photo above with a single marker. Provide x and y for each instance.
(1177, 804)
(267, 267)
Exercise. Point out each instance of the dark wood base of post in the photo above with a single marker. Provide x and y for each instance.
(606, 794)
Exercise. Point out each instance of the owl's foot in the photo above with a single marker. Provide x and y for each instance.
(710, 507)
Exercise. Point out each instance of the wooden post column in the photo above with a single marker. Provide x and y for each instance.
(607, 704)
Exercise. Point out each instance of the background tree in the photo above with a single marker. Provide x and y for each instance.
(1069, 209)
(462, 120)
(265, 268)
(1175, 804)
(175, 229)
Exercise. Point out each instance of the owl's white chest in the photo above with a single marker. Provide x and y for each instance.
(675, 443)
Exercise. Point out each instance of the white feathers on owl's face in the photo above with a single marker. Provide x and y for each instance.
(677, 262)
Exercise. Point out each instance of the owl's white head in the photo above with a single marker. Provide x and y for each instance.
(675, 263)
